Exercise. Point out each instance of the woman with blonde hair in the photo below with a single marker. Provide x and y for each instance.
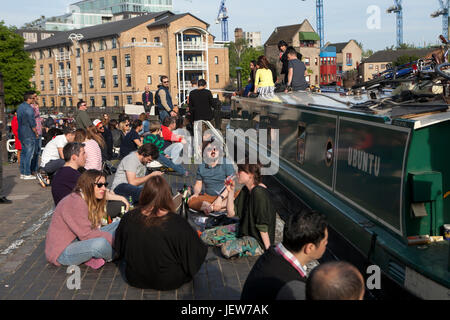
(76, 234)
(91, 147)
(264, 84)
(158, 249)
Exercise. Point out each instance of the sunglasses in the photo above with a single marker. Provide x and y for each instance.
(165, 81)
(99, 185)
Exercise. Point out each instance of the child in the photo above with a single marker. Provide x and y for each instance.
(156, 138)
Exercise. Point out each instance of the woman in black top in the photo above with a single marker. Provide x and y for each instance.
(158, 248)
(132, 141)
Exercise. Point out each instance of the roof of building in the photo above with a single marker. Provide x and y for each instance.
(99, 31)
(169, 20)
(283, 33)
(392, 55)
(339, 46)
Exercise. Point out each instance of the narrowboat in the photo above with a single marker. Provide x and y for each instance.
(378, 169)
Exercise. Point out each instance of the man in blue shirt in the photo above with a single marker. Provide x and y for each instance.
(27, 135)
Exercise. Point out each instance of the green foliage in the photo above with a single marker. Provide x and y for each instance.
(15, 64)
(240, 56)
(404, 60)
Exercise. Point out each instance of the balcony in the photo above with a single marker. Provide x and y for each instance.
(64, 91)
(143, 45)
(64, 73)
(190, 45)
(193, 65)
(62, 56)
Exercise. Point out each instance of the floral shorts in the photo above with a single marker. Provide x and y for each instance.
(226, 238)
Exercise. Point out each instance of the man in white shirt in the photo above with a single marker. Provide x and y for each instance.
(52, 157)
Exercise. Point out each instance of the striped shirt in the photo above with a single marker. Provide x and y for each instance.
(93, 155)
(286, 254)
(156, 140)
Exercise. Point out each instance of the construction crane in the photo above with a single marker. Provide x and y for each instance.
(320, 25)
(398, 10)
(222, 18)
(444, 13)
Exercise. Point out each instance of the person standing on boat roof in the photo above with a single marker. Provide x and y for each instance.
(297, 72)
(264, 85)
(281, 268)
(283, 46)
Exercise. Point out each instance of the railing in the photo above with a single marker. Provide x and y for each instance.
(62, 91)
(190, 45)
(144, 44)
(62, 56)
(64, 73)
(191, 65)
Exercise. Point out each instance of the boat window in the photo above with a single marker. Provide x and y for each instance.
(301, 142)
(329, 153)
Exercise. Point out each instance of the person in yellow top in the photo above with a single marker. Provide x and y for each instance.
(264, 85)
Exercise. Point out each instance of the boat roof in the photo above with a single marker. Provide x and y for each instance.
(420, 114)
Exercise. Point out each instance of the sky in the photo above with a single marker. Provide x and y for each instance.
(344, 19)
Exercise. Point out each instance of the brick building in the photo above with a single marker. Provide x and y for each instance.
(110, 64)
(304, 39)
(348, 55)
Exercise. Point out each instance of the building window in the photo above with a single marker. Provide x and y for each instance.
(149, 60)
(102, 45)
(128, 77)
(102, 82)
(114, 62)
(50, 68)
(43, 102)
(149, 79)
(315, 62)
(133, 40)
(80, 87)
(127, 60)
(78, 52)
(115, 81)
(159, 59)
(49, 53)
(89, 46)
(317, 79)
(156, 39)
(70, 102)
(42, 85)
(144, 40)
(103, 101)
(91, 82)
(78, 70)
(90, 64)
(53, 102)
(51, 85)
(41, 54)
(306, 61)
(116, 101)
(216, 60)
(63, 102)
(92, 102)
(68, 65)
(217, 78)
(102, 63)
(114, 43)
(41, 69)
(129, 100)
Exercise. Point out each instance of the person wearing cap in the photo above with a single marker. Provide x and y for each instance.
(52, 157)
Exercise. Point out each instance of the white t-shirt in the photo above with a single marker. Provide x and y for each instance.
(51, 149)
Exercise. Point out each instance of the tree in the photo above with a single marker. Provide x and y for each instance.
(240, 56)
(404, 60)
(15, 64)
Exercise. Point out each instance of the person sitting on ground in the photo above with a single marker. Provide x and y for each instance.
(255, 232)
(123, 127)
(75, 234)
(154, 230)
(94, 132)
(211, 174)
(145, 123)
(264, 85)
(92, 149)
(173, 143)
(337, 280)
(131, 172)
(52, 157)
(155, 137)
(297, 72)
(132, 141)
(282, 268)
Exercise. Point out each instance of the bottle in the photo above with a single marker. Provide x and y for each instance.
(122, 211)
(130, 200)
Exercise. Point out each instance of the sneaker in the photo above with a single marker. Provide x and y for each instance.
(95, 263)
(41, 180)
(22, 176)
(30, 177)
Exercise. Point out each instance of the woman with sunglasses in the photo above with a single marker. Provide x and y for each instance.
(255, 231)
(76, 234)
(158, 249)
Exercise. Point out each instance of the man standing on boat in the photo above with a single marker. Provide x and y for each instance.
(283, 46)
(296, 72)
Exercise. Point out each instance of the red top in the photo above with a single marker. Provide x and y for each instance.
(169, 135)
(15, 130)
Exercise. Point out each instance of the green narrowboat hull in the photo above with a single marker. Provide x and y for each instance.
(378, 178)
